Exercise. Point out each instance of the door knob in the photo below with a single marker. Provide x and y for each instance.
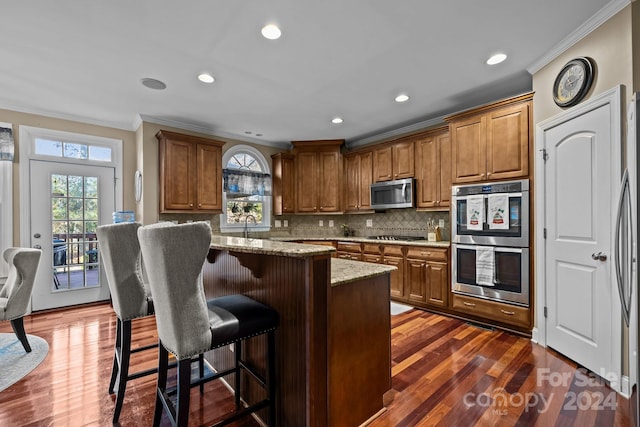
(37, 247)
(37, 235)
(599, 256)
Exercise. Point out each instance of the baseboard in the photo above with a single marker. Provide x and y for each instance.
(625, 389)
(535, 335)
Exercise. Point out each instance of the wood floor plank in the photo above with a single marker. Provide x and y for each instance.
(444, 372)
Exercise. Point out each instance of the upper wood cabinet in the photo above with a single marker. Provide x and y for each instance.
(393, 161)
(433, 169)
(190, 173)
(283, 183)
(318, 175)
(358, 172)
(491, 142)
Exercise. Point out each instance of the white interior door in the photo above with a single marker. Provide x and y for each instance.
(580, 188)
(68, 201)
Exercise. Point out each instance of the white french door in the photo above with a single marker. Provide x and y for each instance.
(68, 201)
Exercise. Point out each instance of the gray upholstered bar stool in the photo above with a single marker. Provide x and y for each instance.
(189, 325)
(131, 298)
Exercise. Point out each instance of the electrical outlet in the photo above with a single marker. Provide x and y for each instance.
(278, 223)
(369, 223)
(441, 223)
(320, 223)
(330, 223)
(286, 222)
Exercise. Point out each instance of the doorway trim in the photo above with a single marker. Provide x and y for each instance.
(28, 135)
(613, 98)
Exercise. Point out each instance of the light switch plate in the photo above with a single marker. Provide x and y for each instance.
(278, 223)
(369, 223)
(330, 223)
(441, 223)
(286, 222)
(320, 223)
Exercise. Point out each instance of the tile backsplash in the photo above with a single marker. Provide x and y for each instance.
(398, 222)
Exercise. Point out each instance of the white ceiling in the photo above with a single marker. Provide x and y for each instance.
(83, 60)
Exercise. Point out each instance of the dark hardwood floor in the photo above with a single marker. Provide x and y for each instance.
(445, 372)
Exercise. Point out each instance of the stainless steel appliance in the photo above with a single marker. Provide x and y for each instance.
(398, 193)
(490, 241)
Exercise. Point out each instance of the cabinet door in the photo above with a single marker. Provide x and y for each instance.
(307, 177)
(178, 162)
(366, 179)
(427, 172)
(397, 276)
(444, 150)
(508, 142)
(288, 186)
(403, 161)
(376, 259)
(468, 149)
(382, 165)
(415, 279)
(209, 173)
(352, 187)
(329, 181)
(437, 287)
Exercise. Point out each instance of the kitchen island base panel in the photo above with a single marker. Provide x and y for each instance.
(299, 289)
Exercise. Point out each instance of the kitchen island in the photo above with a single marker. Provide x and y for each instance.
(333, 343)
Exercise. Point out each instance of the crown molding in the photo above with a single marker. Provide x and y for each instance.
(355, 143)
(209, 131)
(603, 15)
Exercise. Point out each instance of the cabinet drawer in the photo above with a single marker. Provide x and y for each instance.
(349, 247)
(393, 250)
(354, 256)
(492, 310)
(370, 248)
(435, 254)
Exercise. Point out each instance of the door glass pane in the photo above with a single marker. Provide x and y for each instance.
(74, 213)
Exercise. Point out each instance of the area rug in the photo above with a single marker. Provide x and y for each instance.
(15, 363)
(399, 308)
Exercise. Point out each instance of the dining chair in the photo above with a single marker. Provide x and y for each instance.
(189, 325)
(131, 299)
(15, 294)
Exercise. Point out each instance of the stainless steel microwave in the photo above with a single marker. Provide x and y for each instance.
(398, 193)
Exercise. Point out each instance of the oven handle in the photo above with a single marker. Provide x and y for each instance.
(496, 248)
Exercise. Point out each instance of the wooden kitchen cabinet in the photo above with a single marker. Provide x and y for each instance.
(491, 142)
(358, 168)
(349, 250)
(394, 161)
(318, 166)
(492, 311)
(190, 173)
(433, 169)
(283, 183)
(427, 277)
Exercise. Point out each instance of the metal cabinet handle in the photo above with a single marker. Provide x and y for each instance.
(190, 205)
(510, 313)
(468, 304)
(37, 247)
(599, 256)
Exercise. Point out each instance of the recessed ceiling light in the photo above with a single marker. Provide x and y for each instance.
(402, 98)
(248, 132)
(496, 59)
(206, 78)
(336, 120)
(153, 83)
(271, 32)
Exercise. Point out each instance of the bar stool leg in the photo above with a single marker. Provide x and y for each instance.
(238, 369)
(271, 376)
(201, 371)
(163, 367)
(184, 390)
(116, 355)
(123, 374)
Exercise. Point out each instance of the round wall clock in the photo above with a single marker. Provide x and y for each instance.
(573, 82)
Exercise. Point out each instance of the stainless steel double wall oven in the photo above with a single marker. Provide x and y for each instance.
(490, 241)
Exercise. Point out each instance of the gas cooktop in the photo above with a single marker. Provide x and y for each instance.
(388, 237)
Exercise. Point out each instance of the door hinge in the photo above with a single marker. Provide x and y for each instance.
(545, 312)
(545, 154)
(544, 233)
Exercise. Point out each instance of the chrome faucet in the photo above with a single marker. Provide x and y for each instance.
(246, 225)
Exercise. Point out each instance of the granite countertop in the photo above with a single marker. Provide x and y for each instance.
(440, 244)
(345, 271)
(268, 247)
